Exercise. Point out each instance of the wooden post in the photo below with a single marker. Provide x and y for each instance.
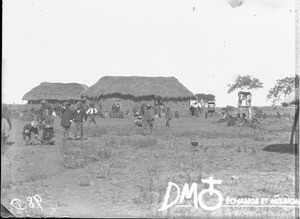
(250, 112)
(294, 128)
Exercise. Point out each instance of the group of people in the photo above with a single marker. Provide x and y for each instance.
(68, 117)
(194, 110)
(147, 119)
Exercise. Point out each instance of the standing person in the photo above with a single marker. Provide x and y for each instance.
(92, 111)
(42, 111)
(192, 108)
(199, 109)
(5, 125)
(168, 117)
(66, 120)
(28, 130)
(79, 116)
(148, 119)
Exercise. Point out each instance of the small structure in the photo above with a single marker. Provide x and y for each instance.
(245, 99)
(211, 107)
(244, 103)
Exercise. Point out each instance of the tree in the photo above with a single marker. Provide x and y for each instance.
(245, 82)
(283, 87)
(204, 98)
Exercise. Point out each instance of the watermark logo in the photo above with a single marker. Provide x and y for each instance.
(188, 192)
(229, 202)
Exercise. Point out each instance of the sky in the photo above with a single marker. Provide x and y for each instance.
(204, 44)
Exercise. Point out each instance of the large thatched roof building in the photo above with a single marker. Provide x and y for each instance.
(130, 92)
(55, 93)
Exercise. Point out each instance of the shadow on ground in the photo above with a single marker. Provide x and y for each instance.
(281, 148)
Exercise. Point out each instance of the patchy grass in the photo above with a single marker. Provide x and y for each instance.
(79, 154)
(127, 173)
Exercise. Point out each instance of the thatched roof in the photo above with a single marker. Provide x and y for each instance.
(164, 87)
(291, 99)
(55, 91)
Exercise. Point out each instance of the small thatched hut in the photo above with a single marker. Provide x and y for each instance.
(131, 92)
(55, 93)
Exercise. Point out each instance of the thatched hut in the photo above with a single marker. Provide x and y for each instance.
(131, 92)
(55, 93)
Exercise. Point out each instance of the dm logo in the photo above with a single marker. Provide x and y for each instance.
(189, 192)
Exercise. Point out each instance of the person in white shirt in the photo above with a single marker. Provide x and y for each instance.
(92, 111)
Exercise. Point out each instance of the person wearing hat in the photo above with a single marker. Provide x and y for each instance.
(28, 130)
(79, 117)
(168, 117)
(148, 119)
(91, 112)
(48, 135)
(66, 119)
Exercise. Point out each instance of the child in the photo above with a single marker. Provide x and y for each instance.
(48, 132)
(92, 111)
(48, 135)
(66, 120)
(48, 118)
(139, 121)
(28, 130)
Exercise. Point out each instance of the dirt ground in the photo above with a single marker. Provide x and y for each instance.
(118, 172)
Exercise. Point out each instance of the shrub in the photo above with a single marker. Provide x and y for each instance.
(143, 142)
(176, 114)
(84, 181)
(257, 113)
(78, 155)
(104, 152)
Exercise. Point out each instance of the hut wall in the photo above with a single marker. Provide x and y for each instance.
(105, 104)
(126, 104)
(182, 106)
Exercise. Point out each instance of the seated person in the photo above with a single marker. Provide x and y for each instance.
(28, 130)
(48, 135)
(139, 121)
